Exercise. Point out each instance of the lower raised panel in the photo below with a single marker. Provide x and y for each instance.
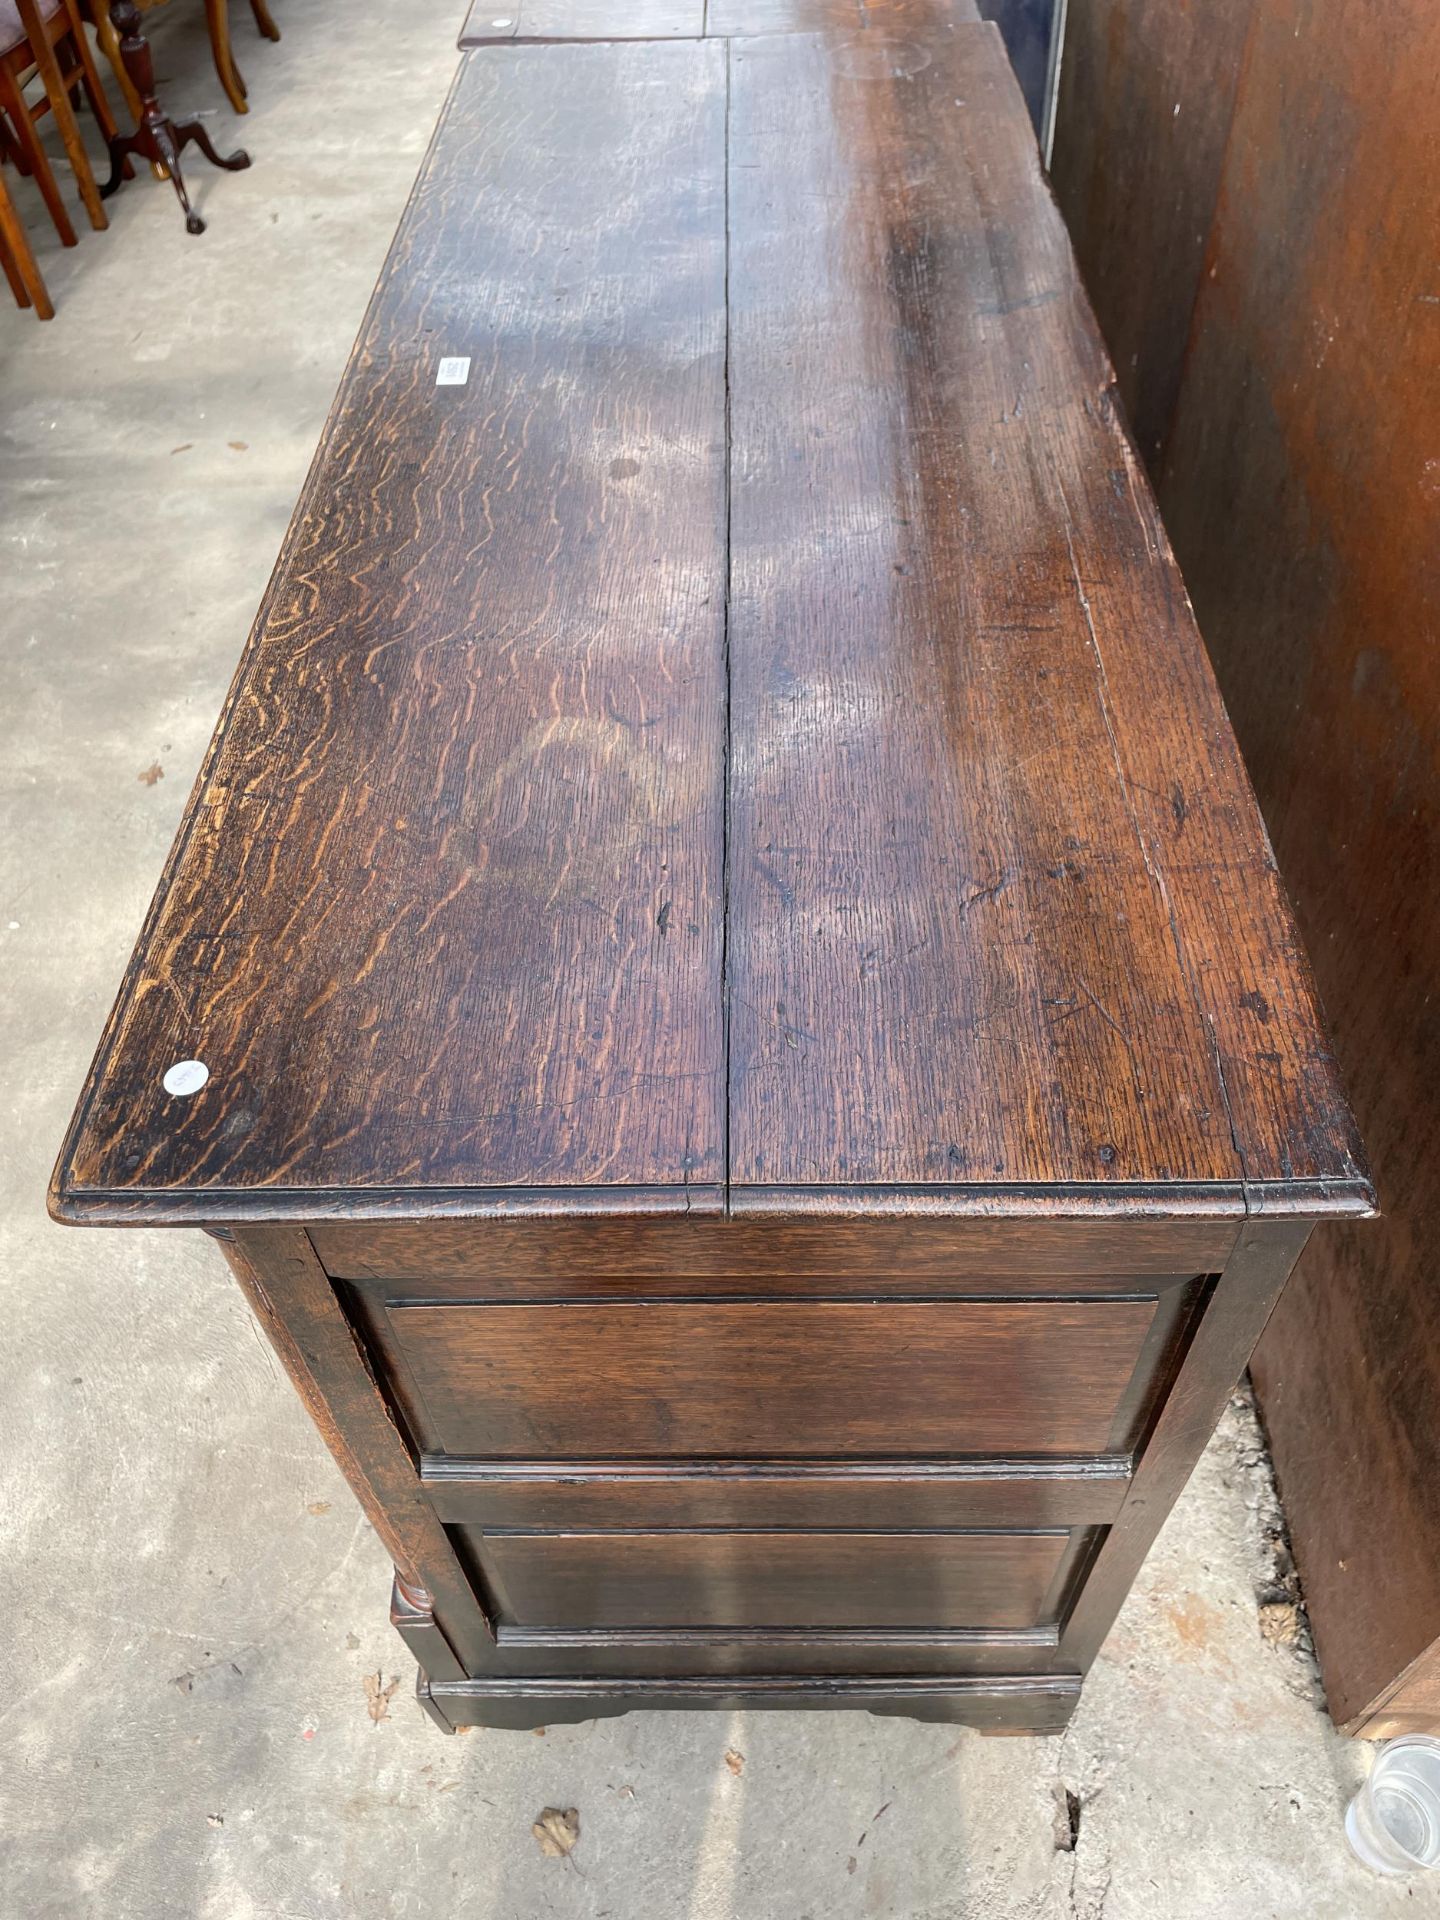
(809, 1580)
(619, 1653)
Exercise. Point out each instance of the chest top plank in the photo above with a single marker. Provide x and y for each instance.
(1002, 906)
(446, 907)
(489, 23)
(753, 759)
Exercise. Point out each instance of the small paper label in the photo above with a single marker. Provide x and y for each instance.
(453, 373)
(186, 1077)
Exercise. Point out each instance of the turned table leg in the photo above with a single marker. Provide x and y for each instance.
(157, 137)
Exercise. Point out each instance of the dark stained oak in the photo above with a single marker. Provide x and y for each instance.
(738, 1579)
(589, 1495)
(925, 21)
(759, 1379)
(698, 1255)
(761, 1080)
(1038, 1706)
(992, 839)
(469, 775)
(412, 1614)
(555, 20)
(508, 783)
(641, 1652)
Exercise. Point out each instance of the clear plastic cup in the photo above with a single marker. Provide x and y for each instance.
(1393, 1823)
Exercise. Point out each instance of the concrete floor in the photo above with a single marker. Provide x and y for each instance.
(197, 1710)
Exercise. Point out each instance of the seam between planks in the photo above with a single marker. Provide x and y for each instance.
(728, 721)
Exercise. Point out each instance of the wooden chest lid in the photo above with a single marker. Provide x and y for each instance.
(726, 728)
(491, 22)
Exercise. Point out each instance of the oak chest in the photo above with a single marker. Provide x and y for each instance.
(722, 986)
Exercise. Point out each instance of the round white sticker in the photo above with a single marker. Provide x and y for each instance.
(186, 1076)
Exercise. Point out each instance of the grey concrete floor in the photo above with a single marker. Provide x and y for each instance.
(197, 1716)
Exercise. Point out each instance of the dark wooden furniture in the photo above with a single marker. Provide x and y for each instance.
(157, 138)
(548, 21)
(1282, 357)
(217, 22)
(757, 1071)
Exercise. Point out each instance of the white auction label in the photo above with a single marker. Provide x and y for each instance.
(453, 373)
(186, 1076)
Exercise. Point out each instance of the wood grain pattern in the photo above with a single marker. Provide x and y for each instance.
(737, 1579)
(595, 1495)
(698, 1253)
(645, 1653)
(492, 21)
(469, 779)
(725, 901)
(762, 1380)
(550, 20)
(1002, 907)
(926, 20)
(448, 915)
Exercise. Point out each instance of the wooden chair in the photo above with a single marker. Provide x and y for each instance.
(26, 281)
(217, 19)
(47, 36)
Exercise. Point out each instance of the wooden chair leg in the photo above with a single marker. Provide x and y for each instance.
(23, 130)
(20, 268)
(263, 20)
(10, 149)
(217, 16)
(12, 274)
(58, 94)
(90, 75)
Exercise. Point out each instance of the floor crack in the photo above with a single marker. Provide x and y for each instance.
(728, 746)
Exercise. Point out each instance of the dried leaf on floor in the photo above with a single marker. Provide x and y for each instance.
(378, 1696)
(1280, 1623)
(1066, 1830)
(734, 1761)
(557, 1831)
